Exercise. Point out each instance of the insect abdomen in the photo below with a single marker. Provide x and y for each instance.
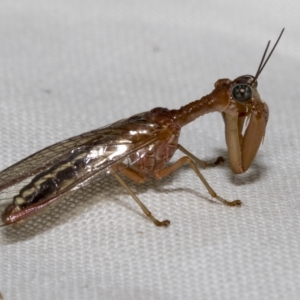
(47, 183)
(59, 177)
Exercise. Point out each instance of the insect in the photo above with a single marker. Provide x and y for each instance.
(138, 147)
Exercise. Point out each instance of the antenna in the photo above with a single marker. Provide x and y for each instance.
(263, 62)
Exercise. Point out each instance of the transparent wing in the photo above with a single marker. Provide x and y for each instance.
(100, 149)
(46, 157)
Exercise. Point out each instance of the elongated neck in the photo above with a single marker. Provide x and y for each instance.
(217, 100)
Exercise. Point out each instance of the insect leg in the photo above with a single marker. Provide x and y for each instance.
(146, 211)
(188, 160)
(201, 163)
(132, 174)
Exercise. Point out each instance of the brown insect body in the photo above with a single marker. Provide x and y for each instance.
(136, 147)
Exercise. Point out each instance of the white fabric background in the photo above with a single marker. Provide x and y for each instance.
(67, 67)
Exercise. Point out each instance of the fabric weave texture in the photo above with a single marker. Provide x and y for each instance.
(67, 67)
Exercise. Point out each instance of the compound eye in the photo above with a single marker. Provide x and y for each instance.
(242, 92)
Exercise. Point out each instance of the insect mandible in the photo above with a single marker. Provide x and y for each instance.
(138, 147)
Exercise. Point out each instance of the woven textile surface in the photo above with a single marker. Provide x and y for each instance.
(67, 67)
